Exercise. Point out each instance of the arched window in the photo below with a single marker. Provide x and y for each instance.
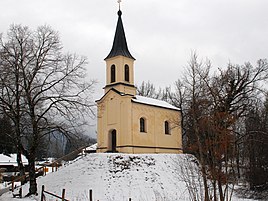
(127, 73)
(142, 125)
(167, 127)
(113, 73)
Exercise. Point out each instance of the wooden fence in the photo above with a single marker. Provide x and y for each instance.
(42, 170)
(43, 196)
(70, 156)
(62, 197)
(18, 194)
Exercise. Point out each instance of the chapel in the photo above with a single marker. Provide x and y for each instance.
(127, 122)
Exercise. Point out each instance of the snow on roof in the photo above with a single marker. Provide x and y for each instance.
(154, 102)
(11, 160)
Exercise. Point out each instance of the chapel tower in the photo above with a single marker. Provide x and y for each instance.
(120, 63)
(127, 122)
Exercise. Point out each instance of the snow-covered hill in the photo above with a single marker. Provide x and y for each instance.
(119, 177)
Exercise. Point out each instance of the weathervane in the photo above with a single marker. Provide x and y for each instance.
(119, 1)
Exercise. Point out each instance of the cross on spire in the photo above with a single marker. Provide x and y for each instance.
(119, 2)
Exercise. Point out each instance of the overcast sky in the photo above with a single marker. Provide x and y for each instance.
(160, 34)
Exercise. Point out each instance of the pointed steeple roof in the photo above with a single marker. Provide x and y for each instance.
(120, 42)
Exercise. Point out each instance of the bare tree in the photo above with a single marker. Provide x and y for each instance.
(147, 89)
(189, 172)
(255, 144)
(212, 104)
(195, 105)
(42, 89)
(11, 89)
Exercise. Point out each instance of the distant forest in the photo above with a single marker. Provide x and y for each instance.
(54, 145)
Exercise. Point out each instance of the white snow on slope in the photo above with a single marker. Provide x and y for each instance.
(116, 177)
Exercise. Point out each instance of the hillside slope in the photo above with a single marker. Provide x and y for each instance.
(120, 177)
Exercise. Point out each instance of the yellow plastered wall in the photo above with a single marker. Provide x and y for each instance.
(120, 62)
(155, 136)
(113, 113)
(120, 113)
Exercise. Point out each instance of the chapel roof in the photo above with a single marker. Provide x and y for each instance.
(153, 102)
(143, 100)
(120, 43)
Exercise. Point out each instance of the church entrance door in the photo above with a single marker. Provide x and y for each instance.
(113, 141)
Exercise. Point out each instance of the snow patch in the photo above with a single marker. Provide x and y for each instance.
(154, 102)
(11, 159)
(118, 177)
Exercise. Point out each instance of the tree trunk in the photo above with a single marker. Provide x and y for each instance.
(204, 172)
(215, 190)
(21, 166)
(32, 178)
(220, 190)
(237, 157)
(205, 184)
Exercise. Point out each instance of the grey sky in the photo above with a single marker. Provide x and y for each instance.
(160, 34)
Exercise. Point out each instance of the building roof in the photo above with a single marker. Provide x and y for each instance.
(144, 100)
(11, 160)
(120, 42)
(153, 102)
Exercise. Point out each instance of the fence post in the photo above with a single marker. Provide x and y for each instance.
(12, 185)
(43, 169)
(90, 195)
(42, 193)
(20, 192)
(63, 194)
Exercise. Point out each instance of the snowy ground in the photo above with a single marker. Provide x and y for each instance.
(117, 177)
(3, 185)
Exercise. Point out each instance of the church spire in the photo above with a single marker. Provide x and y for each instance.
(120, 42)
